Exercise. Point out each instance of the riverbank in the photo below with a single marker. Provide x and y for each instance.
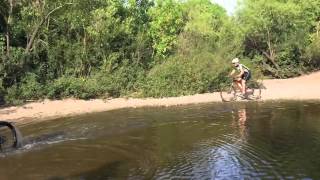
(306, 87)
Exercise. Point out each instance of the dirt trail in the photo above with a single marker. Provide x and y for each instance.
(302, 88)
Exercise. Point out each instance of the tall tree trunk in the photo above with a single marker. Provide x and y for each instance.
(7, 41)
(271, 59)
(36, 30)
(7, 29)
(318, 28)
(271, 55)
(33, 36)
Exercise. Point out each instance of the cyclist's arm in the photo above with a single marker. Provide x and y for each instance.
(232, 72)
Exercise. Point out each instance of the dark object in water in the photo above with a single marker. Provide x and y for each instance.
(10, 136)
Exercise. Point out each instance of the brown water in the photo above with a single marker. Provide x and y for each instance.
(274, 140)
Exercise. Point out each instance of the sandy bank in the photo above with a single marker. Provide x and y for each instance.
(302, 88)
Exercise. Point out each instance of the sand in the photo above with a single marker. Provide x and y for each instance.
(306, 87)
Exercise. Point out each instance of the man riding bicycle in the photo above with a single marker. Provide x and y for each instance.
(242, 77)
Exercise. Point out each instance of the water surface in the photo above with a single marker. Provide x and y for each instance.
(270, 140)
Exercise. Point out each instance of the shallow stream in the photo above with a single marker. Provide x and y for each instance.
(265, 140)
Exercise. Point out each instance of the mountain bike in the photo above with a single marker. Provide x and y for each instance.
(231, 92)
(10, 136)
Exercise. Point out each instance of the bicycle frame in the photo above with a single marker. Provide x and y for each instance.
(235, 86)
(251, 93)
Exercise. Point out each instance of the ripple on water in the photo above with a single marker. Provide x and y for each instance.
(276, 141)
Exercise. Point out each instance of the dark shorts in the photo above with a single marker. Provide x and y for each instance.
(246, 76)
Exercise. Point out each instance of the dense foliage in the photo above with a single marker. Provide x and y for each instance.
(111, 48)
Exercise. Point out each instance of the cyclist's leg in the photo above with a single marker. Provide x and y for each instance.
(238, 85)
(243, 83)
(245, 77)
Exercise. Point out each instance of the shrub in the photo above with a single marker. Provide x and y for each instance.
(313, 52)
(2, 93)
(176, 76)
(13, 95)
(73, 87)
(120, 82)
(30, 88)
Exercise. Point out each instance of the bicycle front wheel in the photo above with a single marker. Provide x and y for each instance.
(10, 137)
(228, 94)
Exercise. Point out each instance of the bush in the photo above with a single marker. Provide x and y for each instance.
(313, 52)
(30, 88)
(73, 87)
(2, 93)
(176, 76)
(120, 82)
(13, 95)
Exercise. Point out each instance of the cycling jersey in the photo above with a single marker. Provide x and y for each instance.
(243, 67)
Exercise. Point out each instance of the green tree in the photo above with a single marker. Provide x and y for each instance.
(274, 30)
(166, 23)
(204, 27)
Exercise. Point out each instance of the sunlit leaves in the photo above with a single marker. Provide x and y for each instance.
(275, 29)
(204, 17)
(166, 23)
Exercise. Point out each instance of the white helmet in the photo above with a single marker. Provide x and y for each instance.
(235, 60)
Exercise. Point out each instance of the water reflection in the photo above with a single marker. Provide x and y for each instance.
(214, 141)
(242, 114)
(242, 123)
(225, 159)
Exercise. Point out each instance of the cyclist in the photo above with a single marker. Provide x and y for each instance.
(242, 77)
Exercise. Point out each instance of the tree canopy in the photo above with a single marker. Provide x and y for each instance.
(103, 48)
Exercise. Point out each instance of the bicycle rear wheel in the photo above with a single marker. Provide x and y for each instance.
(254, 91)
(10, 136)
(254, 95)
